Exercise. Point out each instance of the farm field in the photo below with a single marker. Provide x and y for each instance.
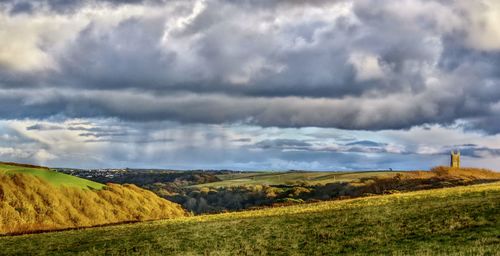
(54, 178)
(295, 177)
(450, 221)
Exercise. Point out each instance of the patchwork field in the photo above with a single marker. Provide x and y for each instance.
(278, 178)
(449, 221)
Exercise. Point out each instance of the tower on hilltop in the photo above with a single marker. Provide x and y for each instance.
(455, 159)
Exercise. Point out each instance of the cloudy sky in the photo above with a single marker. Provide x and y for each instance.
(317, 85)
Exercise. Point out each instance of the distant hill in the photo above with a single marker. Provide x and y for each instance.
(321, 178)
(449, 221)
(35, 198)
(292, 177)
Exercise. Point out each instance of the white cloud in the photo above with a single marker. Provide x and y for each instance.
(43, 156)
(367, 66)
(32, 42)
(13, 153)
(21, 37)
(482, 24)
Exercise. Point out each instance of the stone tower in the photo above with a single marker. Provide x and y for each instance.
(455, 159)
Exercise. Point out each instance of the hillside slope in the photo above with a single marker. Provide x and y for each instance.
(449, 221)
(34, 199)
(54, 178)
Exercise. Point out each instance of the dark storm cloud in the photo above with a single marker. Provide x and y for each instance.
(44, 127)
(242, 140)
(103, 134)
(366, 64)
(21, 7)
(96, 132)
(366, 143)
(16, 7)
(126, 141)
(66, 6)
(93, 60)
(489, 123)
(318, 146)
(283, 144)
(369, 114)
(130, 57)
(91, 129)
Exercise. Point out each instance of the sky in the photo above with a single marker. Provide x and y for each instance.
(251, 84)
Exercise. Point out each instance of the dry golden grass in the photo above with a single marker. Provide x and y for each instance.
(453, 173)
(28, 204)
(438, 177)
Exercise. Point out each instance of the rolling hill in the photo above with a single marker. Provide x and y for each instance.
(292, 177)
(35, 198)
(52, 177)
(448, 221)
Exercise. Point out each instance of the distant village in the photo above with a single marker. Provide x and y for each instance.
(117, 173)
(93, 173)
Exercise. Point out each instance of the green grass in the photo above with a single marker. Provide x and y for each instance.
(278, 178)
(450, 221)
(54, 178)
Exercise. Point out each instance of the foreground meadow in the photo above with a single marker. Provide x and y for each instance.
(449, 221)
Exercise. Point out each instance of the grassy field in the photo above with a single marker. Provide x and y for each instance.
(278, 178)
(54, 178)
(450, 221)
